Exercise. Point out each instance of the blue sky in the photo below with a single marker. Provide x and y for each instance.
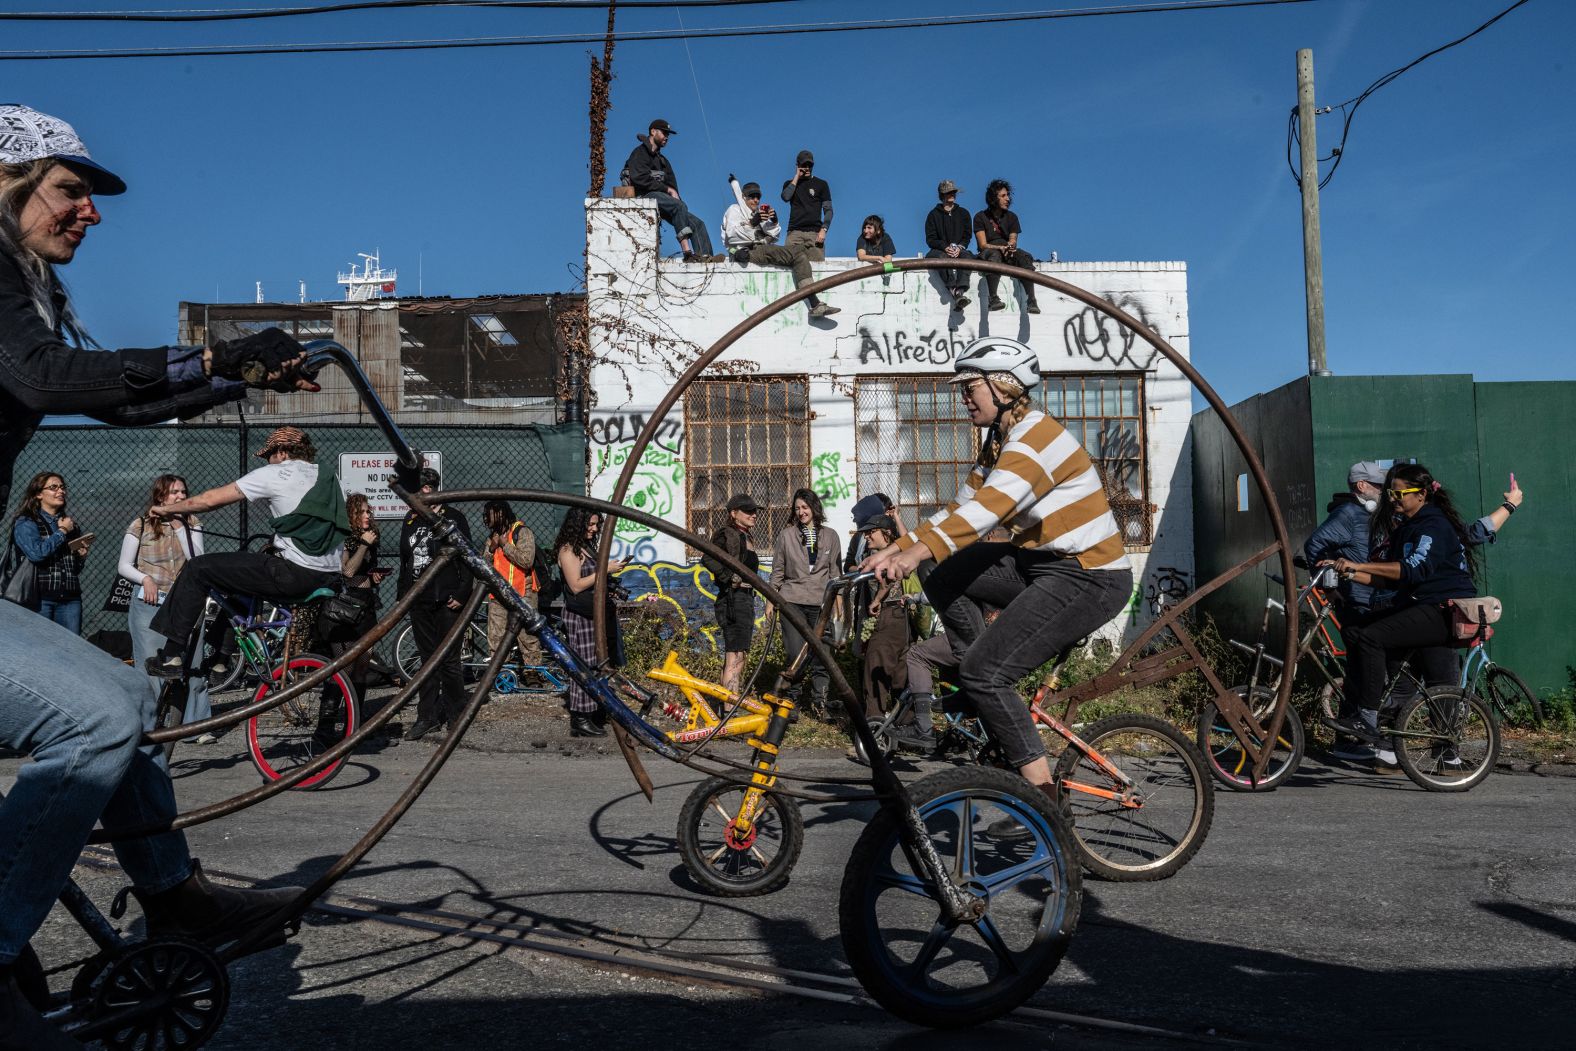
(1446, 230)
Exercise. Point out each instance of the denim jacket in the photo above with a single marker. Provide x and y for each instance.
(41, 374)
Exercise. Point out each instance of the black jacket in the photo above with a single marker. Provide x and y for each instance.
(417, 542)
(650, 172)
(732, 541)
(943, 228)
(41, 374)
(1433, 562)
(1344, 534)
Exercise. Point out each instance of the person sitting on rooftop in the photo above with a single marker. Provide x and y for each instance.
(750, 230)
(651, 174)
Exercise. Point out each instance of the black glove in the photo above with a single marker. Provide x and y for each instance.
(252, 358)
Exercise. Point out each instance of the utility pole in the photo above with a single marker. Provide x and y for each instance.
(1312, 256)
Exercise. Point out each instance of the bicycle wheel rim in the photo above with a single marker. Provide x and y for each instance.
(1513, 698)
(726, 860)
(927, 971)
(1159, 834)
(287, 737)
(1230, 763)
(1446, 739)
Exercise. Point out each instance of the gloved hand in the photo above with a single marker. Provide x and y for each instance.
(254, 359)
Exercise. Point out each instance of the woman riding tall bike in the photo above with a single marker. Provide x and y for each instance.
(1063, 574)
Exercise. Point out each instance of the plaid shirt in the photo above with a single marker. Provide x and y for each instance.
(58, 572)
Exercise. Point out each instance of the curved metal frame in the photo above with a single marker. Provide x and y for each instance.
(1130, 668)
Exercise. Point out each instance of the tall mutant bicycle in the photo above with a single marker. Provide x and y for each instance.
(1446, 738)
(941, 925)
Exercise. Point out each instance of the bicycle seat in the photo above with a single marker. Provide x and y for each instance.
(317, 595)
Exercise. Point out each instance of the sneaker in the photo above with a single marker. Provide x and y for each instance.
(997, 304)
(824, 310)
(959, 301)
(1033, 307)
(1006, 830)
(1356, 753)
(1353, 726)
(165, 667)
(204, 739)
(1385, 764)
(913, 738)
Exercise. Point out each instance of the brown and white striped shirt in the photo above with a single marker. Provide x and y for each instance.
(1044, 489)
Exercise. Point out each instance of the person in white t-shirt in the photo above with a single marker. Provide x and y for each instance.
(305, 561)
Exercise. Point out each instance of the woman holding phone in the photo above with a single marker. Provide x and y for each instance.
(152, 553)
(56, 546)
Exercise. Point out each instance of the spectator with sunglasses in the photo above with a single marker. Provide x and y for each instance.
(1422, 550)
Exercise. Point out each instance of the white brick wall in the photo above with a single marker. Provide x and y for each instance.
(650, 318)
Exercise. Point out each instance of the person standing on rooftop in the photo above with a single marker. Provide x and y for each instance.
(810, 207)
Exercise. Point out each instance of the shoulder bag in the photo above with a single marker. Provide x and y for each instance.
(18, 576)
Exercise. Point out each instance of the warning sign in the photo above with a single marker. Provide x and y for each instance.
(371, 474)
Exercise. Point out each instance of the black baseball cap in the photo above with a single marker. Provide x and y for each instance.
(751, 189)
(878, 522)
(661, 125)
(743, 502)
(806, 157)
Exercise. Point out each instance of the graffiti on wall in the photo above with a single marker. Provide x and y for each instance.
(937, 347)
(826, 478)
(1166, 586)
(653, 488)
(624, 428)
(1094, 335)
(688, 589)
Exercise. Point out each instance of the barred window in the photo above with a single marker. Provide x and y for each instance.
(748, 435)
(914, 442)
(1105, 410)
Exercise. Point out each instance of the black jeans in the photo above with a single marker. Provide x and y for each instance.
(1369, 641)
(793, 642)
(1012, 257)
(953, 279)
(1047, 604)
(443, 694)
(232, 572)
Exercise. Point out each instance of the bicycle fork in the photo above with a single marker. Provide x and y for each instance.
(741, 831)
(1125, 797)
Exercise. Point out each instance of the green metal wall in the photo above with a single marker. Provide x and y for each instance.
(1470, 435)
(1524, 427)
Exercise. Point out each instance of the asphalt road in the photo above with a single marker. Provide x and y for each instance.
(1343, 910)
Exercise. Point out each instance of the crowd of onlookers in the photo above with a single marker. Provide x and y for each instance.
(751, 228)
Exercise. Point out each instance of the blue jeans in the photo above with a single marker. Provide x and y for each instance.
(684, 222)
(145, 642)
(79, 712)
(67, 614)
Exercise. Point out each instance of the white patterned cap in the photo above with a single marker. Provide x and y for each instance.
(28, 135)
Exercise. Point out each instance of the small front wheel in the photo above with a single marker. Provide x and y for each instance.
(883, 738)
(727, 863)
(287, 737)
(1150, 826)
(1005, 844)
(1446, 739)
(1230, 764)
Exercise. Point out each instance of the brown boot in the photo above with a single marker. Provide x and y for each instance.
(209, 912)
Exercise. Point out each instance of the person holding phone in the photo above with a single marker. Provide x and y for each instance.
(809, 201)
(152, 554)
(57, 547)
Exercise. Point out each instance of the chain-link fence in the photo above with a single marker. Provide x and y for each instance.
(110, 471)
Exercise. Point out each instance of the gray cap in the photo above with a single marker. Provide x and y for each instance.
(1366, 471)
(945, 187)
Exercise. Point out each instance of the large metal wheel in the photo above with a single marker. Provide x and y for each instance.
(902, 946)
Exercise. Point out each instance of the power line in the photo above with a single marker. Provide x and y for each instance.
(720, 33)
(243, 14)
(1349, 107)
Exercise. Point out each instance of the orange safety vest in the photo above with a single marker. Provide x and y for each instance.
(519, 579)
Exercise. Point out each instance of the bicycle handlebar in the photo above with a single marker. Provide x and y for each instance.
(323, 352)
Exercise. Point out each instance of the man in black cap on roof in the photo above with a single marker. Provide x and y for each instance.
(649, 172)
(947, 232)
(809, 201)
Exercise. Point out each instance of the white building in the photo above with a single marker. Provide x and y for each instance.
(859, 403)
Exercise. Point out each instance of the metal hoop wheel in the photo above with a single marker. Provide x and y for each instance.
(1255, 732)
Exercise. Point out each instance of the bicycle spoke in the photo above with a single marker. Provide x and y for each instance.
(939, 934)
(963, 868)
(996, 943)
(1007, 878)
(899, 881)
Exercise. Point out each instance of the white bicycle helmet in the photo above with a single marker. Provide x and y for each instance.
(993, 354)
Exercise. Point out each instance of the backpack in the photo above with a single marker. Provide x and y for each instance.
(549, 584)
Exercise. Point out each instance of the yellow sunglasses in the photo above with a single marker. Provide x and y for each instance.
(1396, 494)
